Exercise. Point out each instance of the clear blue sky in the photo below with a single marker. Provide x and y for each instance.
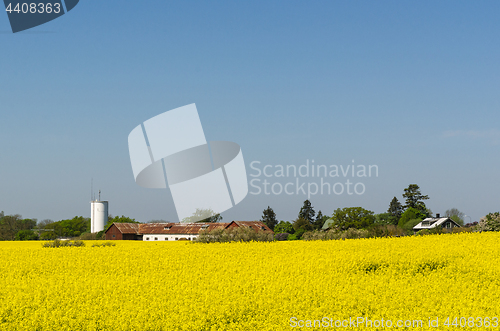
(410, 87)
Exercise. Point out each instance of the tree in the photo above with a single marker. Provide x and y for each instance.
(44, 223)
(455, 215)
(269, 218)
(352, 217)
(410, 224)
(69, 228)
(414, 199)
(411, 214)
(307, 212)
(320, 221)
(11, 224)
(26, 235)
(118, 219)
(490, 222)
(284, 227)
(301, 225)
(395, 209)
(203, 216)
(386, 219)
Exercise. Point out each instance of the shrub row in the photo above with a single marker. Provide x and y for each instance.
(63, 243)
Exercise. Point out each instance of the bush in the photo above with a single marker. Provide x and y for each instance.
(389, 230)
(92, 236)
(408, 226)
(282, 236)
(106, 244)
(48, 235)
(351, 233)
(232, 235)
(63, 243)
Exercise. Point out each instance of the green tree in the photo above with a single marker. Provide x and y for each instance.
(269, 218)
(385, 219)
(11, 224)
(69, 228)
(411, 214)
(307, 212)
(319, 221)
(395, 209)
(455, 215)
(415, 199)
(284, 227)
(118, 219)
(301, 225)
(26, 235)
(409, 225)
(352, 217)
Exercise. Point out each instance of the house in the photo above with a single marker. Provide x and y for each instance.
(123, 231)
(173, 231)
(435, 222)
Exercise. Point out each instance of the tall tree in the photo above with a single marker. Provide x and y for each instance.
(415, 199)
(395, 209)
(307, 212)
(269, 218)
(352, 217)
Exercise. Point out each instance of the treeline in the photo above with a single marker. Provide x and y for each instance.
(357, 222)
(14, 227)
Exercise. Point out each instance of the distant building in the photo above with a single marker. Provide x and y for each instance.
(123, 231)
(173, 231)
(435, 222)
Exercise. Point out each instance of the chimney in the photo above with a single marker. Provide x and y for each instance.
(437, 215)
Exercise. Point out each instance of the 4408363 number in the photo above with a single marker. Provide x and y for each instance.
(34, 8)
(486, 322)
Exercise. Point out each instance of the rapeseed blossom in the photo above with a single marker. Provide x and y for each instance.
(252, 286)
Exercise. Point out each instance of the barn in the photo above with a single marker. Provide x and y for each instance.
(123, 231)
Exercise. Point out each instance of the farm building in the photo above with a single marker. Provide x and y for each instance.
(123, 231)
(434, 222)
(173, 231)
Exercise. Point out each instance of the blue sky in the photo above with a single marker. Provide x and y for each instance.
(410, 87)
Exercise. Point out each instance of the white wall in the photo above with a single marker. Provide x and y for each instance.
(167, 237)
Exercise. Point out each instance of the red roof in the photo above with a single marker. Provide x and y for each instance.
(178, 228)
(127, 228)
(185, 228)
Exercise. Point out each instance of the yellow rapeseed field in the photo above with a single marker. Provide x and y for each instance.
(352, 284)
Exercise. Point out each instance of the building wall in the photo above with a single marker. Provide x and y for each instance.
(168, 237)
(113, 233)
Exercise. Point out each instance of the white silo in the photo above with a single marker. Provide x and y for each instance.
(98, 215)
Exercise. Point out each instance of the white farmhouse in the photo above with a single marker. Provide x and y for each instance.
(435, 222)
